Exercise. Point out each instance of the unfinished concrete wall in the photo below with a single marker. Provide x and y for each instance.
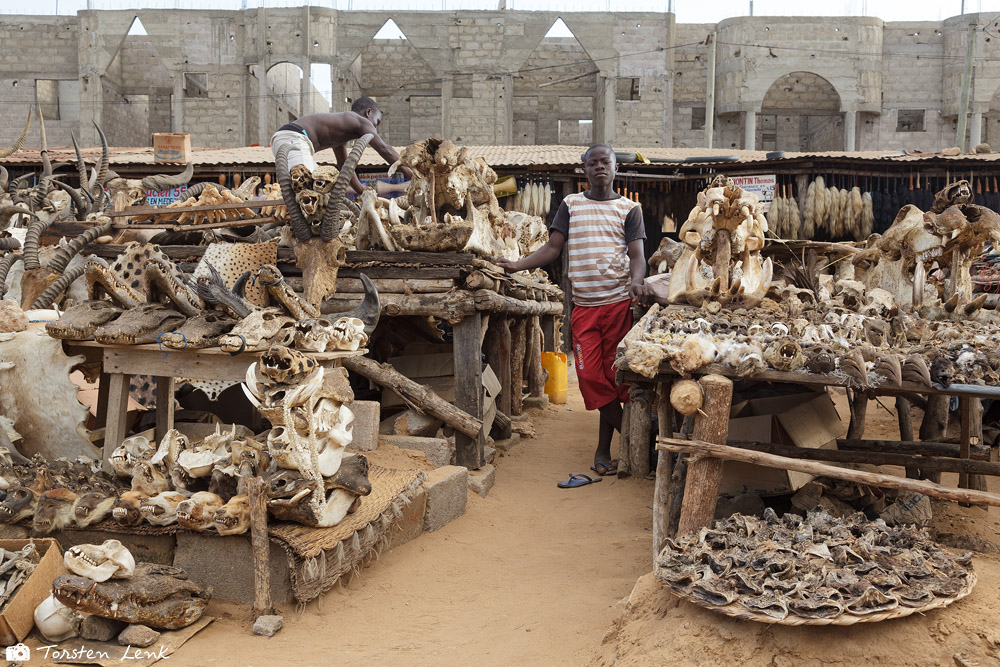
(559, 67)
(690, 81)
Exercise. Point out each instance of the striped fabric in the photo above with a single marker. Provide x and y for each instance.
(598, 254)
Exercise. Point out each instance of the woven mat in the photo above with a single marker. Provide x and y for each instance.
(736, 610)
(318, 557)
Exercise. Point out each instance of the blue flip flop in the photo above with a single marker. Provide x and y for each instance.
(577, 480)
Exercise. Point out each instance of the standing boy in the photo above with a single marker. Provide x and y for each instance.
(603, 234)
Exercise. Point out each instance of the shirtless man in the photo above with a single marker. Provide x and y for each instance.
(315, 132)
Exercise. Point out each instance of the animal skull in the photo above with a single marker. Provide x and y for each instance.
(131, 451)
(285, 365)
(161, 509)
(323, 179)
(312, 204)
(92, 507)
(149, 478)
(126, 508)
(110, 560)
(233, 518)
(301, 178)
(56, 621)
(198, 511)
(199, 460)
(322, 335)
(259, 330)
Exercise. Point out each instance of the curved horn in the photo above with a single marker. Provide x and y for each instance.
(52, 292)
(19, 183)
(73, 248)
(300, 226)
(165, 182)
(101, 177)
(32, 238)
(80, 203)
(16, 146)
(46, 164)
(370, 308)
(9, 243)
(195, 191)
(4, 178)
(330, 227)
(7, 212)
(81, 166)
(5, 266)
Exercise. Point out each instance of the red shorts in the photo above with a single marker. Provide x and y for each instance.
(597, 330)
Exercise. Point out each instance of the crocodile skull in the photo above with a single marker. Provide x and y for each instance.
(312, 204)
(198, 511)
(161, 509)
(323, 179)
(100, 562)
(233, 518)
(259, 330)
(322, 335)
(131, 451)
(301, 178)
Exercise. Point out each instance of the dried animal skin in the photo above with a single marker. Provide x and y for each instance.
(890, 367)
(852, 365)
(915, 370)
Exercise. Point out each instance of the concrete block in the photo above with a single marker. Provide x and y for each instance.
(539, 402)
(508, 444)
(439, 451)
(268, 626)
(447, 495)
(411, 524)
(226, 564)
(489, 453)
(366, 420)
(482, 480)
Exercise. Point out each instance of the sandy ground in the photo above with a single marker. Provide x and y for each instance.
(530, 575)
(536, 575)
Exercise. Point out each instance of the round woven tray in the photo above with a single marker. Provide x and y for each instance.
(847, 618)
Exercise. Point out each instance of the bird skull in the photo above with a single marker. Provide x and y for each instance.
(110, 560)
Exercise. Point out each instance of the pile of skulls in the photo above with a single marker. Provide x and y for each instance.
(144, 298)
(814, 568)
(315, 483)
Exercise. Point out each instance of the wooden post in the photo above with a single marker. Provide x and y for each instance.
(517, 348)
(164, 405)
(905, 419)
(701, 492)
(859, 409)
(640, 425)
(661, 489)
(504, 401)
(114, 431)
(469, 451)
(549, 343)
(971, 434)
(976, 481)
(259, 545)
(492, 348)
(104, 384)
(934, 426)
(625, 442)
(536, 375)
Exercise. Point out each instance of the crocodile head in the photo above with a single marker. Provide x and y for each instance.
(80, 321)
(139, 325)
(202, 330)
(160, 596)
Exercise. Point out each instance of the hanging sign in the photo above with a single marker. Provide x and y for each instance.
(762, 186)
(164, 197)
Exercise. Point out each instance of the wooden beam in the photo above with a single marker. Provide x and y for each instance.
(913, 447)
(469, 448)
(518, 338)
(260, 548)
(640, 425)
(661, 488)
(701, 490)
(451, 306)
(724, 452)
(488, 300)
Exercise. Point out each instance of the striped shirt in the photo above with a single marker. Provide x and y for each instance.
(597, 236)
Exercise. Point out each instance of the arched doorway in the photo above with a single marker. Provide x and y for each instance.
(800, 112)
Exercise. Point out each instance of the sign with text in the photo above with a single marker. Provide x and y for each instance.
(762, 186)
(164, 197)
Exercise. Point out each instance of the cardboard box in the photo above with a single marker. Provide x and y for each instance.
(808, 419)
(18, 616)
(172, 147)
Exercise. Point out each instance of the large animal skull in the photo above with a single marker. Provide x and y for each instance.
(131, 451)
(110, 560)
(200, 459)
(323, 179)
(259, 330)
(285, 365)
(161, 509)
(301, 178)
(322, 335)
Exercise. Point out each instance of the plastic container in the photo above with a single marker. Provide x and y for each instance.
(556, 385)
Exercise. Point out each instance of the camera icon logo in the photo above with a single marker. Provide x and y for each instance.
(18, 653)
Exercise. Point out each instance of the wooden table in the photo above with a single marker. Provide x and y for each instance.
(118, 362)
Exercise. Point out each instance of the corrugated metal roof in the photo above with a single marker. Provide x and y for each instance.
(496, 156)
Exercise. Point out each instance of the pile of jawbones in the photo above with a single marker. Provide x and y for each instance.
(818, 568)
(879, 321)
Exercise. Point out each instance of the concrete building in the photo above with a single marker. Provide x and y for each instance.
(230, 78)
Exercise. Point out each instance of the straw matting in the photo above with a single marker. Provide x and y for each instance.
(318, 557)
(736, 610)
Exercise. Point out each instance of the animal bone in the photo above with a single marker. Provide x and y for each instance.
(161, 509)
(110, 560)
(233, 518)
(198, 512)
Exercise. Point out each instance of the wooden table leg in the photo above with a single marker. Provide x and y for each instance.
(469, 452)
(661, 489)
(536, 375)
(640, 425)
(701, 491)
(114, 426)
(549, 343)
(934, 426)
(504, 370)
(164, 405)
(104, 384)
(859, 410)
(518, 345)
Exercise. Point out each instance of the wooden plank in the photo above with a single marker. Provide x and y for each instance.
(469, 451)
(114, 431)
(640, 426)
(163, 210)
(517, 348)
(452, 306)
(185, 227)
(661, 487)
(724, 452)
(164, 405)
(914, 447)
(488, 300)
(260, 548)
(103, 386)
(395, 285)
(701, 490)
